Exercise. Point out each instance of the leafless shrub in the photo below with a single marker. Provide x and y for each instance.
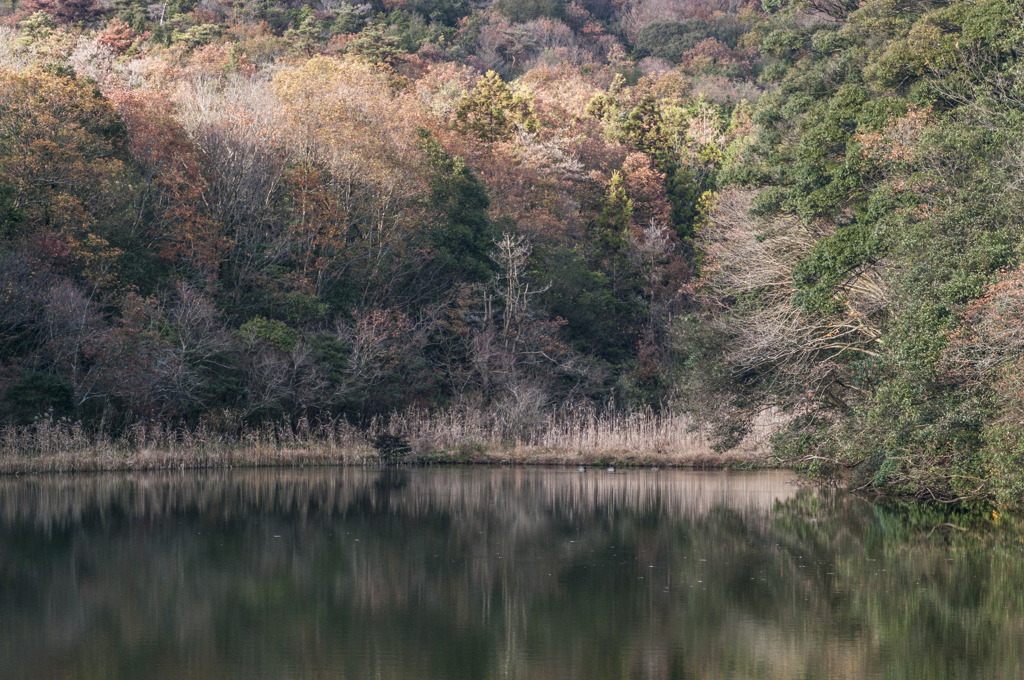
(768, 334)
(277, 380)
(95, 60)
(239, 127)
(200, 333)
(201, 341)
(733, 244)
(553, 155)
(440, 90)
(636, 14)
(550, 34)
(71, 322)
(25, 285)
(491, 46)
(990, 341)
(522, 409)
(649, 251)
(381, 343)
(654, 66)
(13, 53)
(122, 368)
(720, 89)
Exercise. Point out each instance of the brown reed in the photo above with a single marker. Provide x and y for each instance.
(572, 435)
(62, 446)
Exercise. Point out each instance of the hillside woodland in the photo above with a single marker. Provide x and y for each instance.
(217, 214)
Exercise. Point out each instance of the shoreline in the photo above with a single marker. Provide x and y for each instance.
(16, 464)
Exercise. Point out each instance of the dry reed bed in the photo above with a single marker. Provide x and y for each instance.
(67, 447)
(575, 435)
(569, 436)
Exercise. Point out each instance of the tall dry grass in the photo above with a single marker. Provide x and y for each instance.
(62, 446)
(572, 435)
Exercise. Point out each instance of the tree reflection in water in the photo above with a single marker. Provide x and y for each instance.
(496, 573)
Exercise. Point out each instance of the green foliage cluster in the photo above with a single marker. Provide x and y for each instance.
(492, 111)
(463, 234)
(890, 137)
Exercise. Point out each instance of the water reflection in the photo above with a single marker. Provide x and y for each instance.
(493, 573)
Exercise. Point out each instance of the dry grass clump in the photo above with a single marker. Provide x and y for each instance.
(572, 435)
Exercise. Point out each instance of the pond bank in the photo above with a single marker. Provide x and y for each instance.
(320, 456)
(193, 453)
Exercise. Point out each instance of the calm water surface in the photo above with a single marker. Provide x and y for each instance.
(496, 573)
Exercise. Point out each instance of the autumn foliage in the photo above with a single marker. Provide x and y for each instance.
(253, 214)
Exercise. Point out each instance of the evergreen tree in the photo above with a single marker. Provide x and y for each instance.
(492, 111)
(683, 195)
(309, 34)
(376, 46)
(644, 129)
(462, 238)
(612, 229)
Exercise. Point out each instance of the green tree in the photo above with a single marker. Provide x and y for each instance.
(37, 393)
(376, 46)
(462, 236)
(683, 195)
(310, 32)
(492, 111)
(644, 129)
(447, 12)
(611, 229)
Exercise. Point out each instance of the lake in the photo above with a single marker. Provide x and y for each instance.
(482, 573)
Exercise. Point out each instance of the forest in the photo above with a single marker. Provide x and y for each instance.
(223, 213)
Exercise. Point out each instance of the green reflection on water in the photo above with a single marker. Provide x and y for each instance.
(496, 573)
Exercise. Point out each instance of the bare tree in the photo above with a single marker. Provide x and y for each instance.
(648, 252)
(156, 12)
(239, 128)
(772, 346)
(511, 255)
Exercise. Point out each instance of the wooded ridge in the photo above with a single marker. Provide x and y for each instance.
(220, 215)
